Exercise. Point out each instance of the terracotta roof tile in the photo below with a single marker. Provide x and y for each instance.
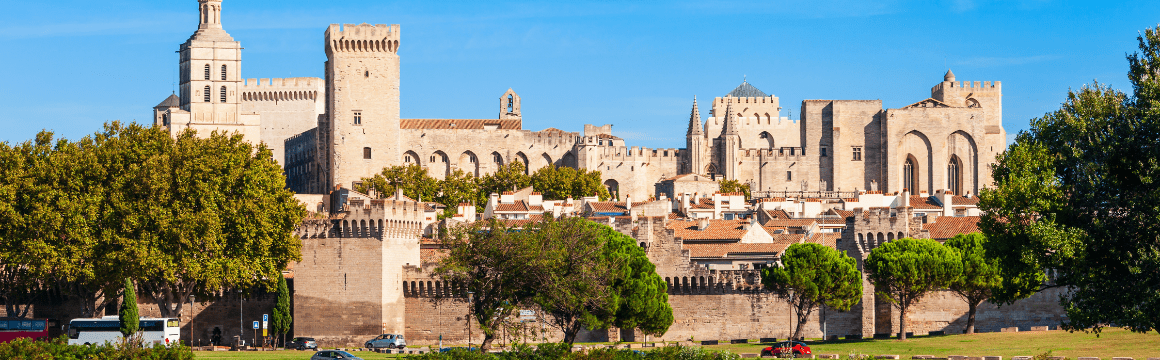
(923, 202)
(612, 206)
(962, 200)
(844, 213)
(946, 227)
(777, 214)
(791, 222)
(518, 206)
(724, 250)
(718, 230)
(826, 239)
(459, 124)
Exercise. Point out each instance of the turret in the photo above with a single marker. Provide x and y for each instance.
(509, 105)
(695, 142)
(695, 120)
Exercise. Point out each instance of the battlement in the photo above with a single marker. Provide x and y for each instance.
(289, 89)
(363, 38)
(977, 86)
(785, 152)
(622, 152)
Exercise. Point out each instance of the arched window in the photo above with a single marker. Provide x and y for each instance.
(223, 94)
(954, 180)
(223, 72)
(511, 104)
(207, 71)
(497, 158)
(908, 176)
(206, 93)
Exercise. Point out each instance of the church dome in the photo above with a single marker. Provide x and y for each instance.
(746, 90)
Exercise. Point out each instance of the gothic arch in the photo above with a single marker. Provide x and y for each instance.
(524, 159)
(410, 157)
(766, 139)
(918, 150)
(469, 163)
(955, 175)
(962, 145)
(613, 187)
(569, 160)
(439, 165)
(547, 160)
(711, 170)
(497, 159)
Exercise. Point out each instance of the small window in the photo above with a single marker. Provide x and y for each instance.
(407, 159)
(823, 150)
(472, 159)
(366, 153)
(857, 153)
(206, 92)
(207, 71)
(223, 72)
(789, 176)
(223, 94)
(432, 158)
(358, 118)
(497, 158)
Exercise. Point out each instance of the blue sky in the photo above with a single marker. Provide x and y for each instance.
(69, 66)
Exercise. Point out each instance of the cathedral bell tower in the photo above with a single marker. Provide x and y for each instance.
(695, 142)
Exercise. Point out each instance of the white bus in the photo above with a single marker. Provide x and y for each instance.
(154, 331)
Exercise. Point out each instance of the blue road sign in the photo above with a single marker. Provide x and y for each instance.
(255, 325)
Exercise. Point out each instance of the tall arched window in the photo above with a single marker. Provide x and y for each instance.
(954, 179)
(908, 176)
(223, 72)
(207, 71)
(223, 94)
(206, 93)
(511, 104)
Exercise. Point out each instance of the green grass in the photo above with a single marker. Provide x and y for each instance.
(1110, 343)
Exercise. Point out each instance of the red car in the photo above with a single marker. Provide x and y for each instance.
(785, 348)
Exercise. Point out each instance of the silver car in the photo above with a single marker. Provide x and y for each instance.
(333, 354)
(387, 341)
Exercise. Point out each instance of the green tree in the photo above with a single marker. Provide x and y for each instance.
(813, 275)
(416, 183)
(559, 183)
(456, 188)
(280, 318)
(980, 273)
(734, 186)
(905, 270)
(641, 294)
(573, 279)
(1076, 197)
(509, 177)
(489, 262)
(128, 316)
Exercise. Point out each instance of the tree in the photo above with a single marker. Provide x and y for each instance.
(559, 183)
(643, 300)
(280, 318)
(130, 321)
(509, 177)
(811, 275)
(1076, 197)
(489, 262)
(980, 273)
(573, 280)
(734, 186)
(456, 188)
(416, 183)
(905, 270)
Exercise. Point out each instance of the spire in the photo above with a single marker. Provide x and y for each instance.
(695, 120)
(950, 76)
(730, 121)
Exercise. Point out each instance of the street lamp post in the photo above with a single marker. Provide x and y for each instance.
(469, 313)
(241, 318)
(191, 320)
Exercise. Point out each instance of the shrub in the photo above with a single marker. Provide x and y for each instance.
(28, 349)
(560, 351)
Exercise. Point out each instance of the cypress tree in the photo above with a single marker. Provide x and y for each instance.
(128, 315)
(281, 318)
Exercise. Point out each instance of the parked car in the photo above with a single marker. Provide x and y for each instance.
(302, 343)
(797, 348)
(333, 354)
(387, 341)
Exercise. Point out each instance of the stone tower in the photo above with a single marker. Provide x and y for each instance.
(209, 68)
(509, 105)
(362, 83)
(695, 142)
(730, 142)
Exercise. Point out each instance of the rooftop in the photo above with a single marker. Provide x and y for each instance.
(746, 90)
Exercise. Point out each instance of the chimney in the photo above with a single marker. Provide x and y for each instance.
(702, 223)
(905, 198)
(628, 202)
(968, 195)
(398, 194)
(947, 198)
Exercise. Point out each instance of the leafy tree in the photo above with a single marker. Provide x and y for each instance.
(413, 179)
(980, 273)
(1076, 196)
(509, 177)
(490, 262)
(456, 188)
(573, 279)
(813, 275)
(734, 186)
(643, 300)
(559, 183)
(905, 270)
(280, 318)
(130, 321)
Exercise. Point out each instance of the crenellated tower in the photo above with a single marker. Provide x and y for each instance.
(362, 84)
(695, 142)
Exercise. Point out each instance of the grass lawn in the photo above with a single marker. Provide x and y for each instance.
(1110, 343)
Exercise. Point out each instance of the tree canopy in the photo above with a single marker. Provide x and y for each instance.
(905, 270)
(734, 186)
(180, 216)
(1076, 197)
(811, 275)
(980, 273)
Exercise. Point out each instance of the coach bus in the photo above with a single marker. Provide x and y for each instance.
(38, 329)
(154, 331)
